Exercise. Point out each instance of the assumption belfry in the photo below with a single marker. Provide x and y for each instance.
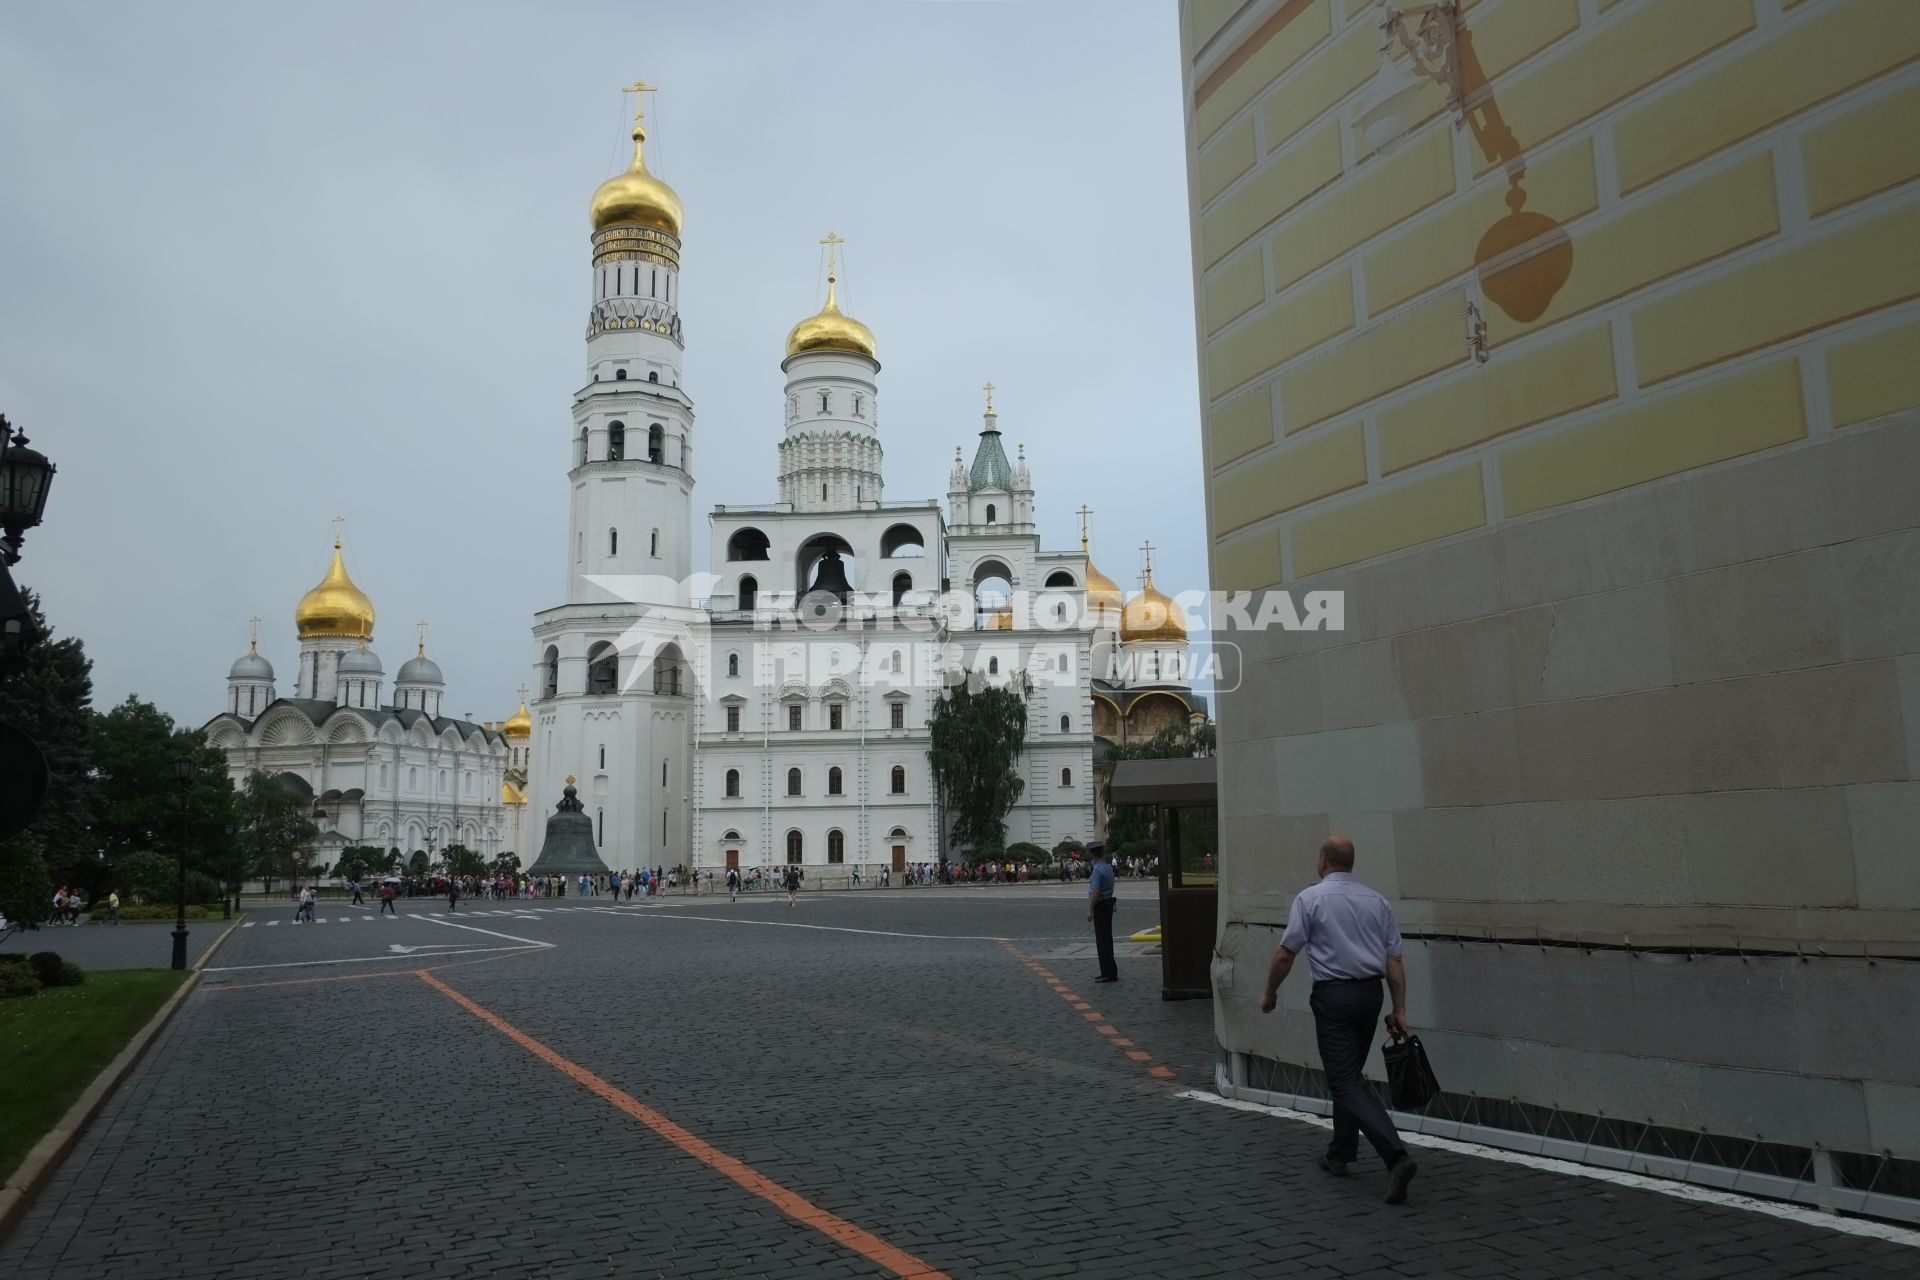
(782, 711)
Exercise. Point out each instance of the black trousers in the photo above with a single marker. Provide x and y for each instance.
(1103, 937)
(1345, 1013)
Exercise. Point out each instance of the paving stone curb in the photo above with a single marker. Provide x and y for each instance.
(41, 1162)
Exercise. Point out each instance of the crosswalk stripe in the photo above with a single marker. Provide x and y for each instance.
(272, 923)
(247, 925)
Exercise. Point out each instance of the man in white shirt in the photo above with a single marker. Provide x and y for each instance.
(1351, 942)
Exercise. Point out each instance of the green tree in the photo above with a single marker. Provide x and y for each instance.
(360, 862)
(977, 734)
(462, 861)
(146, 877)
(275, 833)
(507, 864)
(46, 691)
(1132, 824)
(418, 865)
(26, 891)
(142, 807)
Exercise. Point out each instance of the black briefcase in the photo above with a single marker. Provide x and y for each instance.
(1410, 1079)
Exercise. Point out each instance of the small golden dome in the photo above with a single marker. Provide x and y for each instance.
(336, 607)
(831, 330)
(519, 724)
(636, 198)
(1152, 616)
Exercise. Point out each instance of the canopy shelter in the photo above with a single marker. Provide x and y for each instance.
(1184, 795)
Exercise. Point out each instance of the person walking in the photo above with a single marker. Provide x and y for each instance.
(113, 907)
(793, 883)
(304, 911)
(453, 895)
(386, 900)
(357, 900)
(1351, 942)
(1100, 904)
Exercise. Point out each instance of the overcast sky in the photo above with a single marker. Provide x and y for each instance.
(261, 265)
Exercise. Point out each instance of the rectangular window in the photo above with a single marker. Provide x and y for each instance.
(793, 717)
(733, 719)
(899, 711)
(833, 715)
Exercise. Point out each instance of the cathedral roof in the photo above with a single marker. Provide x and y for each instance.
(420, 669)
(831, 329)
(250, 666)
(636, 198)
(319, 711)
(990, 469)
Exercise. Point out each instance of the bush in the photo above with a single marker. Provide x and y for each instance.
(146, 877)
(1023, 851)
(46, 966)
(71, 975)
(150, 911)
(17, 980)
(1068, 848)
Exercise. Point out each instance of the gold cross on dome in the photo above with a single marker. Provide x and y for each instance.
(422, 628)
(1083, 513)
(832, 242)
(253, 634)
(339, 524)
(639, 88)
(523, 694)
(988, 388)
(1146, 549)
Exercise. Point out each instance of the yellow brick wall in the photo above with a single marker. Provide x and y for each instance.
(1689, 226)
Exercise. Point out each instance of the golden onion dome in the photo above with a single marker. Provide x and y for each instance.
(519, 724)
(336, 607)
(1103, 593)
(1152, 616)
(831, 330)
(635, 198)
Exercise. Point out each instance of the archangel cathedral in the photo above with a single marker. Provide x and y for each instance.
(395, 773)
(778, 707)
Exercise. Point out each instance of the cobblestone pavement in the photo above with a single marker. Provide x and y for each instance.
(917, 1082)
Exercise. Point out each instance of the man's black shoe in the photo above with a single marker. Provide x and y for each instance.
(1398, 1177)
(1104, 978)
(1333, 1165)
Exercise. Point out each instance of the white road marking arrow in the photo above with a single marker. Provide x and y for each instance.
(428, 946)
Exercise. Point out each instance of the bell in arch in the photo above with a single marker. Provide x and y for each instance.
(830, 576)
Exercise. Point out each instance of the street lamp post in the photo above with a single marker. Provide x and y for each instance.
(228, 904)
(184, 770)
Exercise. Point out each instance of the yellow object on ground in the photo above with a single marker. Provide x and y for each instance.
(1146, 935)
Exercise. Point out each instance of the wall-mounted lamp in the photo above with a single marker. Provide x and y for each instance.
(1419, 45)
(1476, 334)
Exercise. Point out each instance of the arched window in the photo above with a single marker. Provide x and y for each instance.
(653, 375)
(1060, 662)
(902, 540)
(989, 513)
(1059, 578)
(603, 669)
(833, 781)
(902, 585)
(1060, 613)
(656, 444)
(599, 827)
(552, 681)
(793, 782)
(794, 846)
(603, 755)
(613, 542)
(733, 664)
(619, 375)
(1066, 723)
(1066, 777)
(897, 784)
(747, 544)
(826, 400)
(749, 594)
(616, 441)
(655, 553)
(733, 784)
(836, 846)
(897, 664)
(583, 444)
(993, 666)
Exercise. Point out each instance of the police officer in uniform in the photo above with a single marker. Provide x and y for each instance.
(1100, 904)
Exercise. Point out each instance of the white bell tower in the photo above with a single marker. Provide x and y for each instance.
(612, 663)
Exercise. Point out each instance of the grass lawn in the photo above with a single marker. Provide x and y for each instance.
(53, 1044)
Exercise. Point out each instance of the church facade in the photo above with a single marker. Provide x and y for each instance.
(778, 708)
(394, 774)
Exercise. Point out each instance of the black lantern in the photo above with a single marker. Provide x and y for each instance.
(25, 477)
(184, 769)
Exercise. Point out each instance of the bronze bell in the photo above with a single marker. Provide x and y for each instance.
(830, 575)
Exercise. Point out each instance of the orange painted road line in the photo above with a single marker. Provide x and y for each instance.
(1088, 1012)
(791, 1203)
